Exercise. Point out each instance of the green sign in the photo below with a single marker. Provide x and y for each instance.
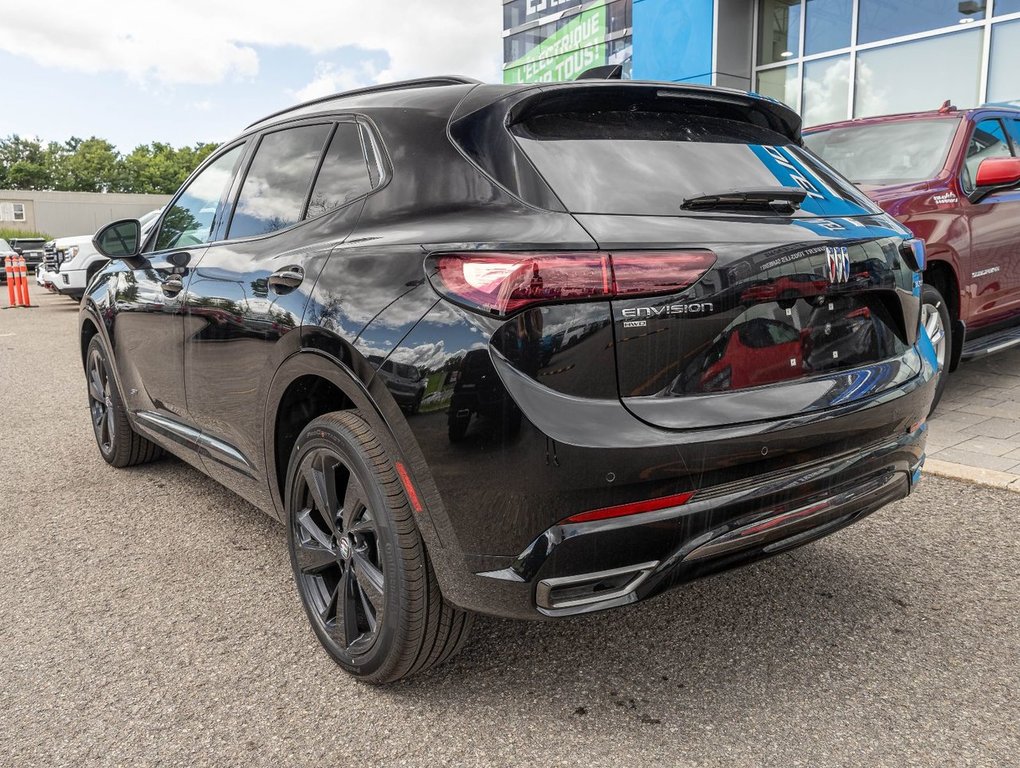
(577, 46)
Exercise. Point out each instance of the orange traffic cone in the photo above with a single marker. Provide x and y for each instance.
(23, 274)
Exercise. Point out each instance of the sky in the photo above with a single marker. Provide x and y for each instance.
(185, 71)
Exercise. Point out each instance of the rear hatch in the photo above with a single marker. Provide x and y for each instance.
(810, 300)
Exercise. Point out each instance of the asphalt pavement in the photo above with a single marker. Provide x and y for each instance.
(148, 617)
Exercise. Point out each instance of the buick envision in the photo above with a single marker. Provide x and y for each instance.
(599, 385)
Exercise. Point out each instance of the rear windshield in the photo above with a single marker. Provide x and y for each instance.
(886, 153)
(647, 162)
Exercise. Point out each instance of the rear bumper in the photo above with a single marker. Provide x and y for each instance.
(582, 567)
(760, 489)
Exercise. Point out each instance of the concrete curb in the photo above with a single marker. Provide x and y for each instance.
(989, 477)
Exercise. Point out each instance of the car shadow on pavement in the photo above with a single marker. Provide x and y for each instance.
(774, 624)
(778, 628)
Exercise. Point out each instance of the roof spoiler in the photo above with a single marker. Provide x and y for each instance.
(605, 72)
(623, 94)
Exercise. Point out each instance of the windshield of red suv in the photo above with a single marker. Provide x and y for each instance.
(886, 153)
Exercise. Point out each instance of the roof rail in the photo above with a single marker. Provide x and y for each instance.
(423, 82)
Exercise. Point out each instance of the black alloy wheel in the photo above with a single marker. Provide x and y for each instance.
(118, 442)
(359, 561)
(336, 551)
(101, 402)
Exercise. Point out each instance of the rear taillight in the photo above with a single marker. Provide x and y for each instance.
(504, 283)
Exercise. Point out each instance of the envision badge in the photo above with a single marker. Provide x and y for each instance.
(669, 309)
(838, 259)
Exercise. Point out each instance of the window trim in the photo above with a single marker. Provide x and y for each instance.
(382, 156)
(14, 212)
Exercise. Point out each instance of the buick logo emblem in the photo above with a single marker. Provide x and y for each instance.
(838, 258)
(345, 549)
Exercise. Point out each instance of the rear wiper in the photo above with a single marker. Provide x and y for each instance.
(778, 199)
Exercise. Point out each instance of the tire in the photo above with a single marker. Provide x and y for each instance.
(392, 621)
(935, 317)
(119, 444)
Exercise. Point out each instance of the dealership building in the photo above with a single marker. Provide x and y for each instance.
(828, 59)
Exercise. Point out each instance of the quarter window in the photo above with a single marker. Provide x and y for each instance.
(988, 140)
(276, 185)
(344, 175)
(192, 219)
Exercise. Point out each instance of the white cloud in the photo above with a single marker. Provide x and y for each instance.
(330, 79)
(209, 41)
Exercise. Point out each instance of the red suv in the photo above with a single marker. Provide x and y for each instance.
(953, 178)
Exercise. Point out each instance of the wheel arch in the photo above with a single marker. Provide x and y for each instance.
(941, 272)
(329, 384)
(89, 330)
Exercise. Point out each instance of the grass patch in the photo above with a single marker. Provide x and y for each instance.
(10, 234)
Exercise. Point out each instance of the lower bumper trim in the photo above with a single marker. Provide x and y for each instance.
(778, 526)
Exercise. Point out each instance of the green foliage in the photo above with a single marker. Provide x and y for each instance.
(95, 165)
(10, 234)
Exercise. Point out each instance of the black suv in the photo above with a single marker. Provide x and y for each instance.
(562, 273)
(32, 248)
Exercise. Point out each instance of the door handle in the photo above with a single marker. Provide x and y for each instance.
(286, 279)
(173, 285)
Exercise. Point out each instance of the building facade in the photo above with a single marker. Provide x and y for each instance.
(828, 59)
(66, 214)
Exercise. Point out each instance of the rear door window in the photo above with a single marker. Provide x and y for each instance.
(346, 170)
(650, 162)
(279, 177)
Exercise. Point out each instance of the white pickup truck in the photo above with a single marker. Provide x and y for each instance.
(78, 260)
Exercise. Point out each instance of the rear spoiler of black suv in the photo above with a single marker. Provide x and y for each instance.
(480, 124)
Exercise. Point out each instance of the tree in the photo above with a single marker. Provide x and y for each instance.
(23, 164)
(95, 165)
(158, 168)
(91, 165)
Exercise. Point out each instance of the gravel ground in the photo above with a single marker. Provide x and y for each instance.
(148, 617)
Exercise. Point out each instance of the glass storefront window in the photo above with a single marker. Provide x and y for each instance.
(781, 84)
(882, 19)
(619, 16)
(900, 78)
(1002, 7)
(778, 31)
(518, 12)
(827, 25)
(826, 90)
(1003, 83)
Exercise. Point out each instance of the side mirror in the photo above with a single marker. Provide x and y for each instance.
(119, 240)
(995, 173)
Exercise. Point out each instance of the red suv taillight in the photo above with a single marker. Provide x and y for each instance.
(504, 283)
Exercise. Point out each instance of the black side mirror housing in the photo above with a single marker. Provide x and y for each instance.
(120, 239)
